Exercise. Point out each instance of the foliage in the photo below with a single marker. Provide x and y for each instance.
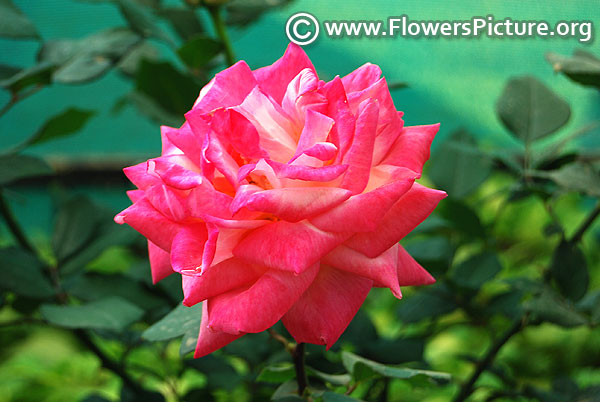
(514, 313)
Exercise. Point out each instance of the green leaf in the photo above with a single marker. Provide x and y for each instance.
(429, 303)
(363, 369)
(582, 67)
(569, 270)
(75, 225)
(152, 109)
(330, 396)
(530, 110)
(549, 306)
(184, 21)
(507, 303)
(462, 218)
(86, 59)
(218, 371)
(112, 314)
(93, 286)
(22, 273)
(170, 89)
(7, 71)
(459, 167)
(277, 374)
(288, 391)
(578, 177)
(17, 167)
(14, 24)
(130, 62)
(141, 20)
(40, 74)
(176, 323)
(334, 379)
(395, 351)
(198, 51)
(477, 270)
(66, 123)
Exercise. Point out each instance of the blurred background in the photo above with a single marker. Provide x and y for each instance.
(86, 84)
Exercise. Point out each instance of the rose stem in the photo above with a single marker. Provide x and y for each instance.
(219, 25)
(298, 356)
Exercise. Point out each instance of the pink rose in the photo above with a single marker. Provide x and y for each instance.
(283, 197)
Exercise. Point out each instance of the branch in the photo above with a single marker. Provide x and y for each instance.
(586, 225)
(219, 25)
(467, 388)
(13, 225)
(298, 357)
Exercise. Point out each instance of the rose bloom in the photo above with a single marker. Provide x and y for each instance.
(283, 197)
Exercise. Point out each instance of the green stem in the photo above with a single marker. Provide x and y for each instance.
(468, 387)
(586, 225)
(298, 357)
(13, 226)
(219, 25)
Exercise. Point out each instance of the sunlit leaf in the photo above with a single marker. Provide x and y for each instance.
(112, 314)
(277, 374)
(530, 110)
(578, 177)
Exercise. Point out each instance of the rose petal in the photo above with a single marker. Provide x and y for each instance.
(406, 214)
(411, 149)
(361, 78)
(209, 339)
(220, 278)
(261, 305)
(324, 311)
(160, 262)
(410, 272)
(342, 131)
(274, 79)
(287, 246)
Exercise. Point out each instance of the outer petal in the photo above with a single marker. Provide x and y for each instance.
(138, 175)
(287, 246)
(342, 131)
(382, 270)
(221, 278)
(360, 154)
(209, 339)
(160, 262)
(227, 88)
(361, 78)
(363, 212)
(153, 225)
(261, 305)
(412, 147)
(410, 272)
(188, 248)
(275, 78)
(295, 203)
(401, 219)
(327, 307)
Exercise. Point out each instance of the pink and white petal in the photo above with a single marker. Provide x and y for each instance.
(277, 134)
(410, 272)
(218, 279)
(324, 311)
(216, 154)
(209, 339)
(274, 79)
(168, 201)
(342, 132)
(206, 200)
(227, 88)
(168, 148)
(382, 270)
(296, 203)
(160, 262)
(412, 147)
(322, 150)
(385, 174)
(316, 130)
(153, 225)
(138, 175)
(234, 129)
(363, 212)
(287, 246)
(387, 133)
(259, 306)
(361, 78)
(406, 214)
(173, 174)
(190, 143)
(135, 195)
(360, 154)
(308, 173)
